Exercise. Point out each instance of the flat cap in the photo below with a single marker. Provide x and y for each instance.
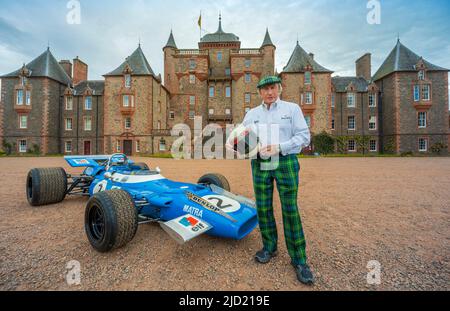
(268, 80)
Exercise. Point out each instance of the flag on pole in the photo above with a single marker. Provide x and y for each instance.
(200, 20)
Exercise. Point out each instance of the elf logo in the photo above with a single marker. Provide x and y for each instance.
(192, 223)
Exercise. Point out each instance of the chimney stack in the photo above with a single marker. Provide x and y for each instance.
(80, 71)
(67, 66)
(363, 67)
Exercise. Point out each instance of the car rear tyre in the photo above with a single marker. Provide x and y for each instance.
(46, 185)
(215, 179)
(110, 220)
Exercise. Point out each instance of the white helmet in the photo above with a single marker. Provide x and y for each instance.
(244, 141)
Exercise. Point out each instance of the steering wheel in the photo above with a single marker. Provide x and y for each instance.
(117, 158)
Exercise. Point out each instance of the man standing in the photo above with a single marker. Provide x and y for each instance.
(293, 134)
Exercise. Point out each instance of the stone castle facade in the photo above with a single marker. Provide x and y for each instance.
(51, 107)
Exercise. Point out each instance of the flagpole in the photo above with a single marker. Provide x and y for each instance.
(200, 26)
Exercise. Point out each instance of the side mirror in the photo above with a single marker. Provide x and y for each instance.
(107, 175)
(158, 169)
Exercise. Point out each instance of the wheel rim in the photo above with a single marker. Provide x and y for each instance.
(96, 222)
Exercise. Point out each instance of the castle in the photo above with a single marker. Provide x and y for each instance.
(51, 107)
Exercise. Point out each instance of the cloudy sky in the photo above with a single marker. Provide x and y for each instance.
(337, 32)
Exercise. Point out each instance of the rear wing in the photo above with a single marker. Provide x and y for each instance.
(86, 160)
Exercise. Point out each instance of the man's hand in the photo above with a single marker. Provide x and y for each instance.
(270, 150)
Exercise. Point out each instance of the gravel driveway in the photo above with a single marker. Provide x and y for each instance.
(393, 210)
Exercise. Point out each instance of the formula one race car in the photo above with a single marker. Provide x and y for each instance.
(124, 194)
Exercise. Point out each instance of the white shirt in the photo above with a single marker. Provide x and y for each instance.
(283, 123)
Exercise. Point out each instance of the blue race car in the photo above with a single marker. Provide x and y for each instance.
(124, 194)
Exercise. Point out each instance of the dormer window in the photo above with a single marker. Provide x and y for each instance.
(127, 81)
(421, 74)
(23, 80)
(88, 103)
(308, 77)
(69, 102)
(351, 100)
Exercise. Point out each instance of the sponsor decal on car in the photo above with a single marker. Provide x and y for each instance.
(208, 205)
(192, 223)
(193, 210)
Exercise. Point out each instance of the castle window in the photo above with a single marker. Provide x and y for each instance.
(211, 91)
(416, 93)
(69, 103)
(128, 100)
(192, 79)
(19, 100)
(228, 111)
(219, 56)
(227, 91)
(426, 92)
(68, 124)
(248, 77)
(422, 119)
(351, 146)
(27, 98)
(351, 100)
(333, 98)
(423, 144)
(248, 97)
(127, 81)
(372, 100)
(332, 124)
(373, 145)
(23, 145)
(172, 115)
(23, 80)
(227, 72)
(191, 107)
(127, 123)
(373, 123)
(68, 146)
(351, 122)
(308, 98)
(88, 103)
(308, 120)
(23, 121)
(162, 145)
(308, 77)
(192, 64)
(211, 111)
(247, 109)
(88, 123)
(421, 75)
(138, 146)
(248, 62)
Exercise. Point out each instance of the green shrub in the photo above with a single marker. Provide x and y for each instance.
(323, 143)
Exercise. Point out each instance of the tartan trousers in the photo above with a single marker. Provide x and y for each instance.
(286, 176)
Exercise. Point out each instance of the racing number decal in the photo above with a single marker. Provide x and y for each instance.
(226, 204)
(219, 202)
(101, 186)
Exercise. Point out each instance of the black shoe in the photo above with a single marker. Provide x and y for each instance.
(304, 273)
(264, 256)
